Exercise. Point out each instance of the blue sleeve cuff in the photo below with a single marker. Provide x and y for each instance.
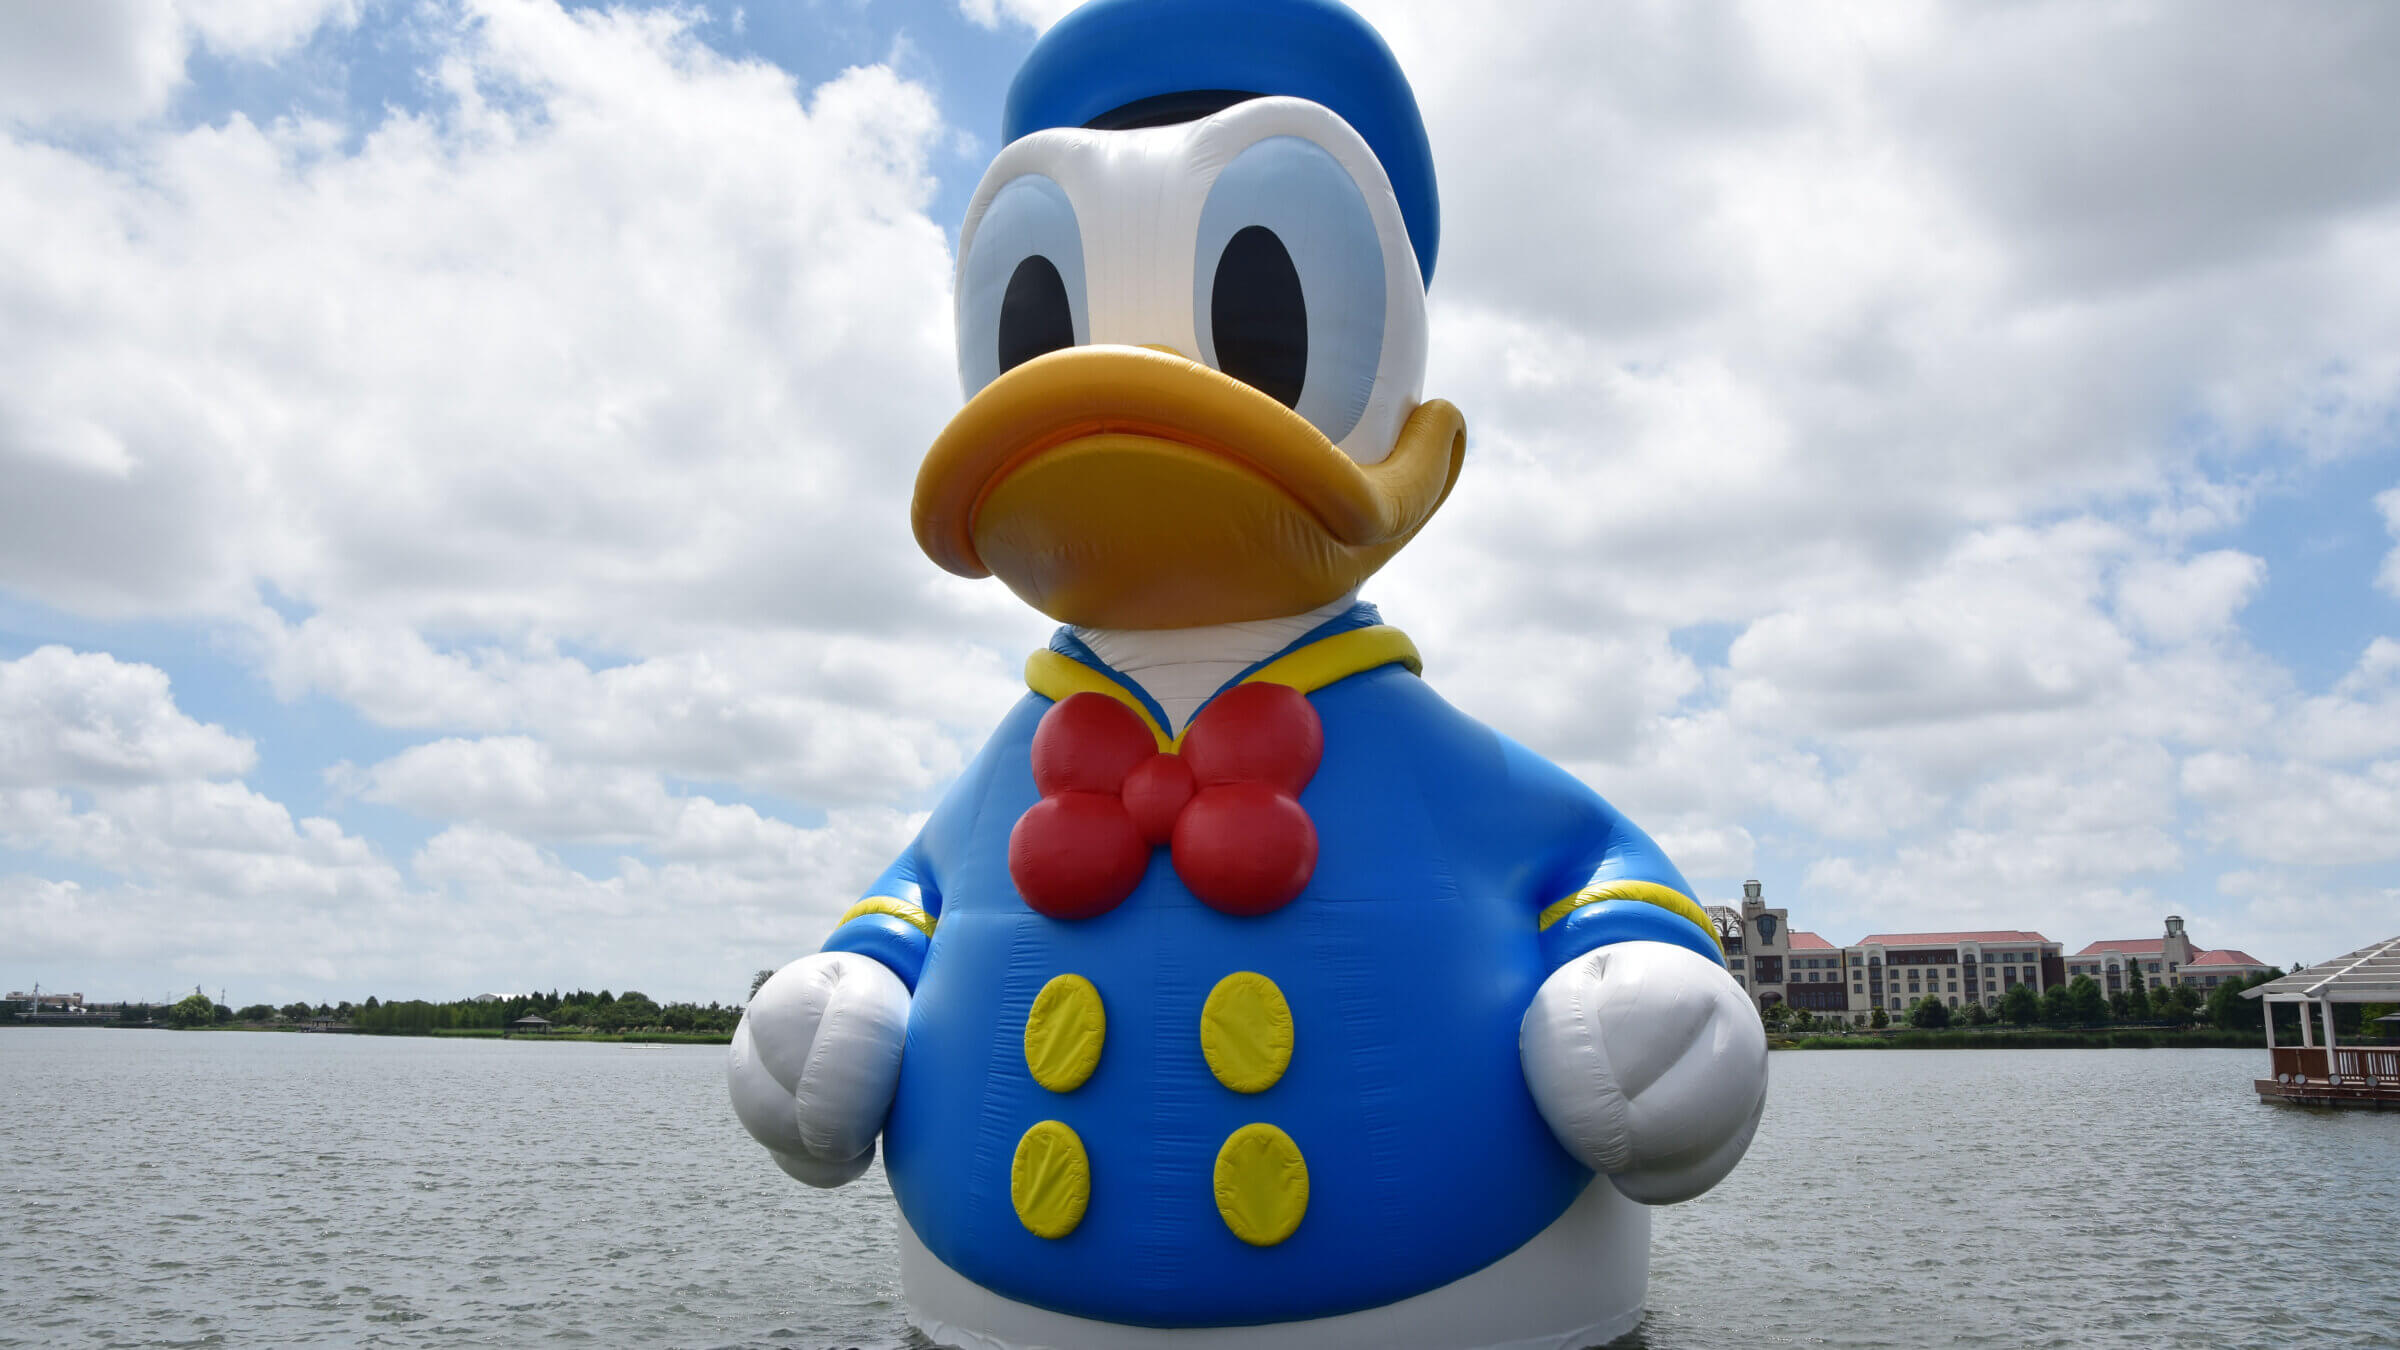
(1603, 922)
(895, 942)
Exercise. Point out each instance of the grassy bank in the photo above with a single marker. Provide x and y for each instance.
(493, 1034)
(638, 1037)
(1954, 1039)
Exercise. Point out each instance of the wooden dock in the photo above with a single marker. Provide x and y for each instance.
(2352, 1076)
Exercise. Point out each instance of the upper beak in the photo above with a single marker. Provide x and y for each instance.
(1172, 442)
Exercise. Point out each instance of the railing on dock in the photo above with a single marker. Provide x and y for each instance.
(2309, 1062)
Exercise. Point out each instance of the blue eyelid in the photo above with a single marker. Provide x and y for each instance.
(1030, 214)
(1296, 188)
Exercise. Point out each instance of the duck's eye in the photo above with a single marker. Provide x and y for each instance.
(1290, 282)
(1259, 316)
(1035, 316)
(1021, 290)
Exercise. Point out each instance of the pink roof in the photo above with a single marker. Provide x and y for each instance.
(1809, 942)
(2227, 956)
(2127, 946)
(1947, 939)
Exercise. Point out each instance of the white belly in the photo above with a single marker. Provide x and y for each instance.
(1577, 1283)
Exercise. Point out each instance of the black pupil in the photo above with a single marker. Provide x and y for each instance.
(1034, 317)
(1259, 316)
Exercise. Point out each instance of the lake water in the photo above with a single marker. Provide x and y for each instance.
(164, 1189)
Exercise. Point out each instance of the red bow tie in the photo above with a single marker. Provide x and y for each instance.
(1228, 805)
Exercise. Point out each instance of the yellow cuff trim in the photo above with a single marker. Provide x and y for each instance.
(897, 908)
(1648, 892)
(1057, 677)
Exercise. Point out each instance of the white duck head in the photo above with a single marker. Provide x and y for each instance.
(1191, 323)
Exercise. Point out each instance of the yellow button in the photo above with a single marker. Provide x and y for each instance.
(1051, 1180)
(1063, 1033)
(1246, 1032)
(1262, 1184)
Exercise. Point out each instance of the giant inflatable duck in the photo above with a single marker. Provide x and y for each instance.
(1242, 991)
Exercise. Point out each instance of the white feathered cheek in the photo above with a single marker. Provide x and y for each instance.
(1264, 242)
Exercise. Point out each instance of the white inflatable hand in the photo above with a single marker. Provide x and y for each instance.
(815, 1061)
(1650, 1066)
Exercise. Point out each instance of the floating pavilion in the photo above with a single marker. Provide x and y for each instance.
(2315, 1073)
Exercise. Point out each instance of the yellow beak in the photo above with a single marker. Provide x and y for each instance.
(1126, 487)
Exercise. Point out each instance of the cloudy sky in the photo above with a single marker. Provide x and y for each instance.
(1941, 461)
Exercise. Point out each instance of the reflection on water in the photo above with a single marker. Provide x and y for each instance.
(177, 1189)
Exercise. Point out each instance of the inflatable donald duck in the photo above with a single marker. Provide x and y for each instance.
(1242, 992)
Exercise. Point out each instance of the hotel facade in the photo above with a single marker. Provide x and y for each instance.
(1892, 971)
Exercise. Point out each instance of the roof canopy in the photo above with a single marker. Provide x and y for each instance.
(2368, 975)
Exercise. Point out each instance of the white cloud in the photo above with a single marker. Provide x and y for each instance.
(1858, 398)
(621, 337)
(86, 719)
(262, 29)
(110, 60)
(2388, 502)
(2360, 716)
(2286, 917)
(101, 59)
(2191, 599)
(820, 720)
(1035, 14)
(210, 878)
(2299, 813)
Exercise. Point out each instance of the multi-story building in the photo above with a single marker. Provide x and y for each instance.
(2166, 960)
(1813, 979)
(1893, 970)
(1757, 941)
(1775, 964)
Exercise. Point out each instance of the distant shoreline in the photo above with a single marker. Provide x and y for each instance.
(2205, 1038)
(444, 1033)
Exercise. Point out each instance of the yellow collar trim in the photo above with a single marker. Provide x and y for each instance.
(1320, 663)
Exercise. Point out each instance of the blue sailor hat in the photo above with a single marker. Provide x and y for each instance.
(1117, 64)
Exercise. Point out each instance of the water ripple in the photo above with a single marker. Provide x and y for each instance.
(228, 1189)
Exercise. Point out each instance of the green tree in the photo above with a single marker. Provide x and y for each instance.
(1776, 1015)
(1929, 1013)
(2019, 1006)
(2176, 1003)
(2120, 1007)
(2056, 1009)
(196, 1010)
(2137, 993)
(2085, 1003)
(1879, 1019)
(297, 1012)
(256, 1012)
(759, 980)
(1975, 1014)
